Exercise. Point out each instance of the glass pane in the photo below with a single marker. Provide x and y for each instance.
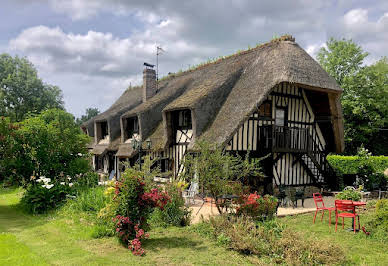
(280, 117)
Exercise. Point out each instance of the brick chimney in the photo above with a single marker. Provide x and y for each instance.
(149, 83)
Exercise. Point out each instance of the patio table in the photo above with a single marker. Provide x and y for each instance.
(356, 204)
(227, 201)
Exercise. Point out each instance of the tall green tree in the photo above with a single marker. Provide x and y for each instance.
(90, 113)
(49, 144)
(365, 95)
(22, 91)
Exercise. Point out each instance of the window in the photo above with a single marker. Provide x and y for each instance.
(265, 109)
(132, 126)
(163, 164)
(182, 119)
(104, 129)
(280, 119)
(98, 162)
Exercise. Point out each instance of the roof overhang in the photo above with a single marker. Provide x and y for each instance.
(100, 149)
(126, 151)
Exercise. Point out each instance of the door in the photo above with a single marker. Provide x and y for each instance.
(280, 127)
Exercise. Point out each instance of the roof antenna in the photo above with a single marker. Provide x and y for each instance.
(159, 51)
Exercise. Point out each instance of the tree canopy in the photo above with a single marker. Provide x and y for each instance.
(49, 144)
(22, 91)
(365, 96)
(89, 113)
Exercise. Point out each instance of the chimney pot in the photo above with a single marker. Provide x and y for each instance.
(149, 83)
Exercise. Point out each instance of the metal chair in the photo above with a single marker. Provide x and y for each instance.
(346, 209)
(320, 205)
(189, 194)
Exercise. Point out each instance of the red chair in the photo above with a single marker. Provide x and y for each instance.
(318, 200)
(346, 209)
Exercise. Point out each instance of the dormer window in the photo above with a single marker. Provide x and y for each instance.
(182, 126)
(131, 127)
(182, 119)
(102, 132)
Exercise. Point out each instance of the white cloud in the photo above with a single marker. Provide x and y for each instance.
(104, 63)
(108, 63)
(370, 33)
(356, 17)
(313, 49)
(77, 9)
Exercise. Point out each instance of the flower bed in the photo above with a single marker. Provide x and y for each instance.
(258, 207)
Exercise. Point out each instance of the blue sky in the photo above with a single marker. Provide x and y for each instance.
(94, 49)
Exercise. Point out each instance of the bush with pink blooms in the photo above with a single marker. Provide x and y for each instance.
(135, 202)
(258, 207)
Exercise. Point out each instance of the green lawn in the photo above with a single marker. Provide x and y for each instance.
(359, 248)
(41, 240)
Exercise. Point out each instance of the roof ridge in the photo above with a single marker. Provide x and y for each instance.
(283, 38)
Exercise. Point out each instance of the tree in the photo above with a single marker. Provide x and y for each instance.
(22, 91)
(365, 96)
(342, 59)
(218, 172)
(49, 144)
(90, 113)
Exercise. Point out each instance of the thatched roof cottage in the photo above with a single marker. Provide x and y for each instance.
(274, 98)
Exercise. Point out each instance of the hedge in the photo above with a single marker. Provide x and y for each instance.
(347, 165)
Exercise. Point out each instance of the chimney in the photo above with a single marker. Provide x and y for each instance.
(149, 83)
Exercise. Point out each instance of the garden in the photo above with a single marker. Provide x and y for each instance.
(60, 215)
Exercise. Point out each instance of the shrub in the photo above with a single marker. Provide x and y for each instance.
(134, 205)
(43, 195)
(350, 164)
(378, 224)
(174, 212)
(87, 180)
(258, 207)
(11, 160)
(292, 248)
(87, 205)
(48, 144)
(367, 169)
(90, 200)
(271, 240)
(244, 235)
(349, 194)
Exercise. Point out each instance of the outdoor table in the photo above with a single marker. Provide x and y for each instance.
(228, 199)
(356, 204)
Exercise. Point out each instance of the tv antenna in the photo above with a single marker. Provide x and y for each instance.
(159, 51)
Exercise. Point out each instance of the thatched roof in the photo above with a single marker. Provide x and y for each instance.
(131, 98)
(125, 150)
(223, 94)
(149, 113)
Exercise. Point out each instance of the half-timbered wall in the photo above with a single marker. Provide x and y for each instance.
(289, 168)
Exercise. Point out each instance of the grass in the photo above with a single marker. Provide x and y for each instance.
(53, 239)
(359, 248)
(59, 240)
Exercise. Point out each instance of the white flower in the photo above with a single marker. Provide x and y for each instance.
(62, 183)
(79, 154)
(68, 178)
(70, 184)
(49, 186)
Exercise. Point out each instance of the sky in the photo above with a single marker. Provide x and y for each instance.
(94, 49)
